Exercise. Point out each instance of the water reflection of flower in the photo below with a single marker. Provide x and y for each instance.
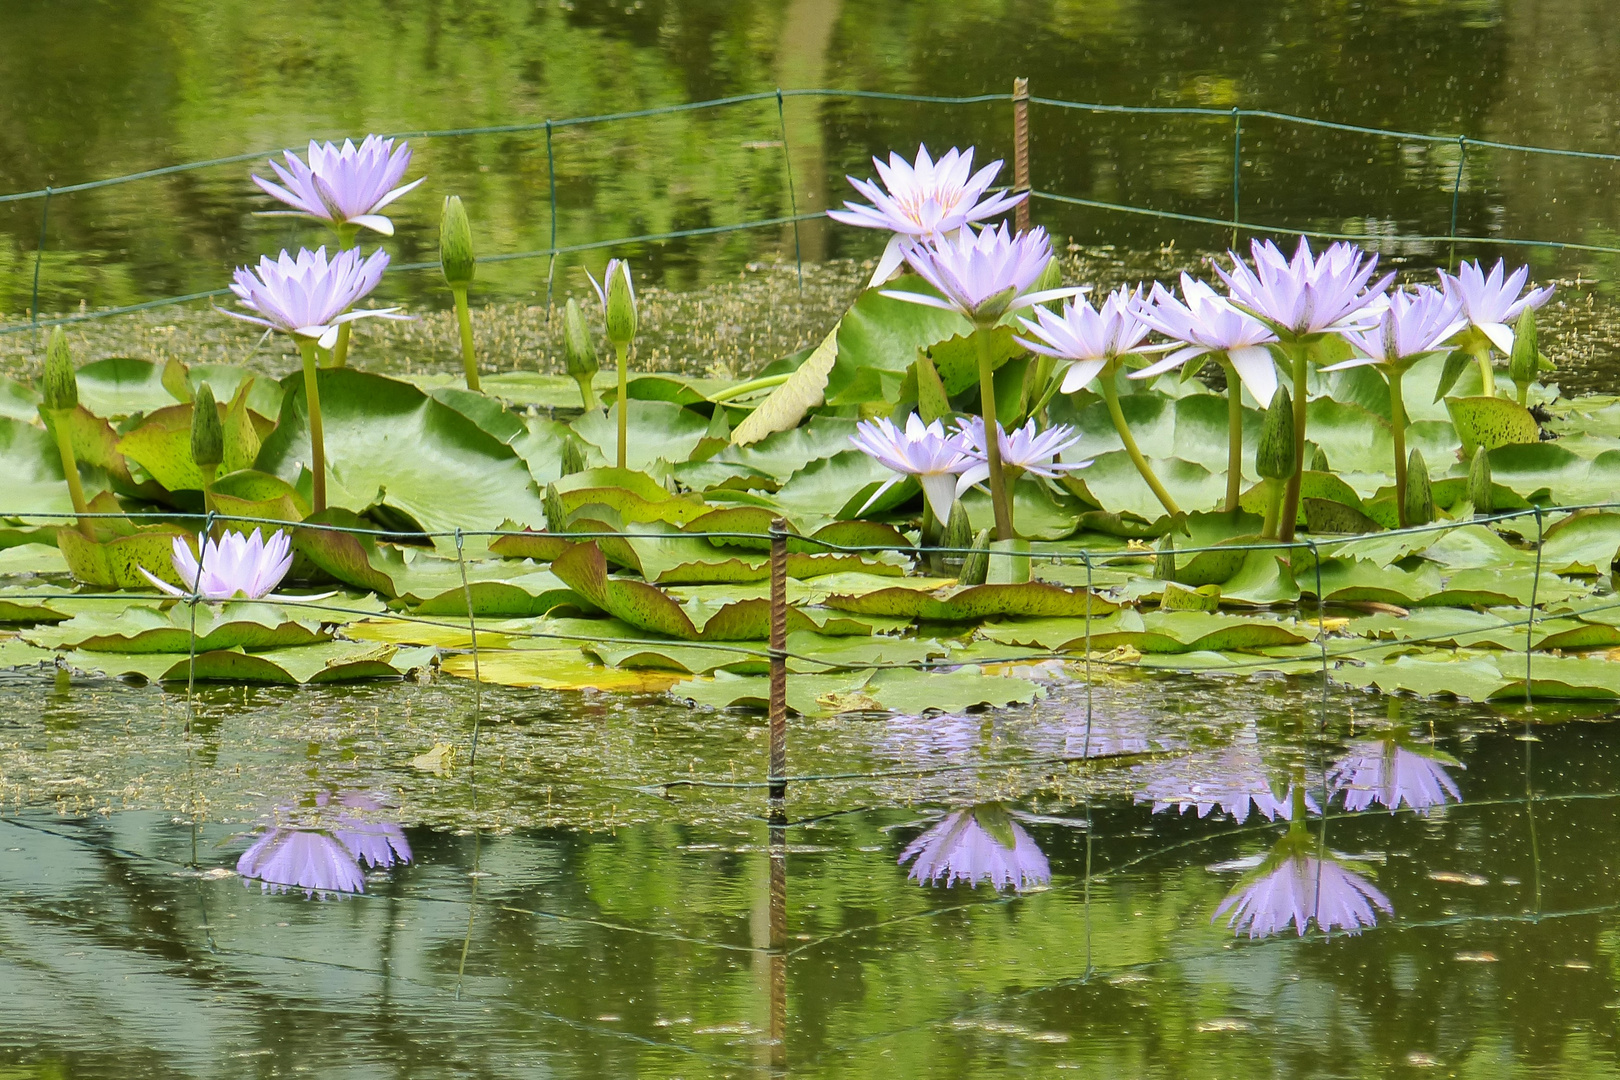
(322, 853)
(980, 843)
(1295, 885)
(1385, 772)
(1233, 778)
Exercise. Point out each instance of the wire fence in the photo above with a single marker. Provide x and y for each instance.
(1235, 116)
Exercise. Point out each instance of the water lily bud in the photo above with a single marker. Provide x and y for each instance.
(61, 390)
(1319, 461)
(207, 435)
(579, 353)
(621, 304)
(556, 514)
(1419, 494)
(1522, 364)
(956, 539)
(976, 567)
(1274, 457)
(455, 244)
(573, 458)
(1164, 565)
(1479, 482)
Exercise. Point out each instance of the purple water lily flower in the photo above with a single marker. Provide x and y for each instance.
(1023, 449)
(1491, 303)
(323, 855)
(925, 200)
(1233, 779)
(983, 276)
(1089, 337)
(1307, 294)
(1415, 323)
(233, 566)
(1385, 773)
(921, 450)
(342, 186)
(309, 296)
(1205, 322)
(982, 843)
(1293, 886)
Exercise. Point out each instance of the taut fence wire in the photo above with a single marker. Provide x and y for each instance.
(1020, 100)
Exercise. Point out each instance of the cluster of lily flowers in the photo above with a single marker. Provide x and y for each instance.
(1272, 312)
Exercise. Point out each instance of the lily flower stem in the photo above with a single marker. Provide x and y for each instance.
(1397, 423)
(1298, 352)
(1274, 495)
(340, 349)
(624, 410)
(208, 473)
(464, 320)
(62, 421)
(992, 438)
(1487, 371)
(317, 440)
(1105, 379)
(1234, 438)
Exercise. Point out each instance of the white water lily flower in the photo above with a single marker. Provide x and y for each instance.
(1491, 303)
(1207, 322)
(925, 200)
(234, 566)
(310, 296)
(1022, 449)
(921, 450)
(1089, 337)
(342, 186)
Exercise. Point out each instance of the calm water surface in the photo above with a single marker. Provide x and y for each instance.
(596, 920)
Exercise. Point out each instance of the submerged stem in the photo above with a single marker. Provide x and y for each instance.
(624, 414)
(1105, 380)
(1397, 422)
(992, 437)
(1234, 438)
(464, 320)
(317, 440)
(1289, 514)
(62, 423)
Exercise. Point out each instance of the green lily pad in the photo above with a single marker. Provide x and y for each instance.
(1470, 547)
(352, 557)
(1113, 484)
(162, 443)
(658, 431)
(785, 406)
(148, 628)
(1496, 587)
(961, 604)
(1558, 678)
(122, 386)
(32, 470)
(249, 494)
(1584, 543)
(878, 340)
(1465, 676)
(1363, 581)
(900, 690)
(117, 562)
(840, 485)
(388, 442)
(433, 586)
(18, 401)
(1491, 422)
(332, 661)
(557, 669)
(1037, 513)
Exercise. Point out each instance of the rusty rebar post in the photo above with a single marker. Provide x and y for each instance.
(1020, 100)
(778, 653)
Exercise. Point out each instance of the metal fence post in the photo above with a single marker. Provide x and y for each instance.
(1020, 99)
(778, 653)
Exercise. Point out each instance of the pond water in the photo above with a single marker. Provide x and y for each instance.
(567, 906)
(605, 889)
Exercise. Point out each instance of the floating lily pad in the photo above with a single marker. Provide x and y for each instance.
(148, 628)
(388, 442)
(118, 562)
(557, 669)
(352, 557)
(122, 386)
(960, 604)
(332, 661)
(1491, 422)
(658, 431)
(901, 690)
(1584, 543)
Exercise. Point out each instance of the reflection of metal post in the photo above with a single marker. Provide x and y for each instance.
(1021, 150)
(778, 1023)
(778, 770)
